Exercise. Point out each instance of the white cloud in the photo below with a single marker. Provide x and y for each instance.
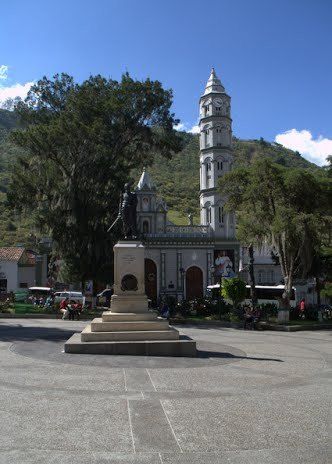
(187, 128)
(15, 90)
(194, 130)
(180, 127)
(3, 72)
(314, 150)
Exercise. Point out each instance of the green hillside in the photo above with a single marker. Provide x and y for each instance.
(177, 180)
(13, 230)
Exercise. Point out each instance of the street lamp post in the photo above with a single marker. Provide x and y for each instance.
(182, 272)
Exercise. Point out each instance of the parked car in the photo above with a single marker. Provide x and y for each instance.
(73, 296)
(40, 291)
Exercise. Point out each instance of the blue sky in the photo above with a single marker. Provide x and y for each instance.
(274, 58)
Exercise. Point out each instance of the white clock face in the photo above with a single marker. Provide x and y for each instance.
(218, 102)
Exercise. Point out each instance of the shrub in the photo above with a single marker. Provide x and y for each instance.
(234, 289)
(268, 310)
(6, 307)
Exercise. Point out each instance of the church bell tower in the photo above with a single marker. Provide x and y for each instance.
(216, 156)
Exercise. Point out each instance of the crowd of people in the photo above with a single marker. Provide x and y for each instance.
(69, 309)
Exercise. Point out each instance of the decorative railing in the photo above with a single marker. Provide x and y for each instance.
(184, 232)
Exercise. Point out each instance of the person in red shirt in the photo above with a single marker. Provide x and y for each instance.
(302, 308)
(63, 307)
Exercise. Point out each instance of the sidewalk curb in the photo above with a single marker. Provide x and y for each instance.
(225, 324)
(294, 328)
(43, 316)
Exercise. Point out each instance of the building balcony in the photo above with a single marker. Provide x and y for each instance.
(173, 231)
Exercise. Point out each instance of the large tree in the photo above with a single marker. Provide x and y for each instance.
(287, 208)
(81, 142)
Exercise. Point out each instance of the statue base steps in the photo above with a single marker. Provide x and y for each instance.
(181, 347)
(113, 316)
(134, 334)
(98, 325)
(88, 336)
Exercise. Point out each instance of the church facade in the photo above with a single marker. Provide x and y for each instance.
(181, 261)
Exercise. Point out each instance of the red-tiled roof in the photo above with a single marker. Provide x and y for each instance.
(11, 253)
(30, 257)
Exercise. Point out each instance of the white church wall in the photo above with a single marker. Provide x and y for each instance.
(26, 276)
(171, 269)
(8, 270)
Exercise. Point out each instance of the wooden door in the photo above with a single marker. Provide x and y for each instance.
(151, 280)
(194, 283)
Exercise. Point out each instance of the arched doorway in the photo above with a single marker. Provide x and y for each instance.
(151, 279)
(194, 283)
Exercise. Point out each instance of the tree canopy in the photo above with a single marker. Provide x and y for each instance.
(81, 141)
(287, 208)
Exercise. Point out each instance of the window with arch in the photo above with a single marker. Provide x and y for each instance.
(208, 215)
(206, 110)
(146, 227)
(206, 136)
(145, 204)
(208, 168)
(221, 215)
(224, 136)
(219, 165)
(218, 136)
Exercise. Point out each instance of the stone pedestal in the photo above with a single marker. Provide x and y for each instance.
(129, 328)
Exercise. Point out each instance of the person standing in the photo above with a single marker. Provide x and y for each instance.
(64, 307)
(302, 308)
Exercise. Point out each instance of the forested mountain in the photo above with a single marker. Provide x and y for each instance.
(177, 179)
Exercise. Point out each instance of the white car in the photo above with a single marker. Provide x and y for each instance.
(73, 296)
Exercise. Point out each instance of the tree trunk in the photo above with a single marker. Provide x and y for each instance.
(252, 277)
(318, 290)
(94, 295)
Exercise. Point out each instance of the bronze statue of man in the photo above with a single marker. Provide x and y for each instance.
(127, 212)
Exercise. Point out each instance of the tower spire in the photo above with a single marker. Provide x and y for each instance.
(214, 84)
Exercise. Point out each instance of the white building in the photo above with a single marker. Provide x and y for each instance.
(183, 260)
(267, 271)
(17, 269)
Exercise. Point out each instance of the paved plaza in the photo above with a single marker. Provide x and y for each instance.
(249, 397)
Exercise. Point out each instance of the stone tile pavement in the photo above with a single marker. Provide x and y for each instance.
(250, 397)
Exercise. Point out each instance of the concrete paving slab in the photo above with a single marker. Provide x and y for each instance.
(241, 422)
(150, 427)
(64, 422)
(79, 457)
(138, 380)
(311, 455)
